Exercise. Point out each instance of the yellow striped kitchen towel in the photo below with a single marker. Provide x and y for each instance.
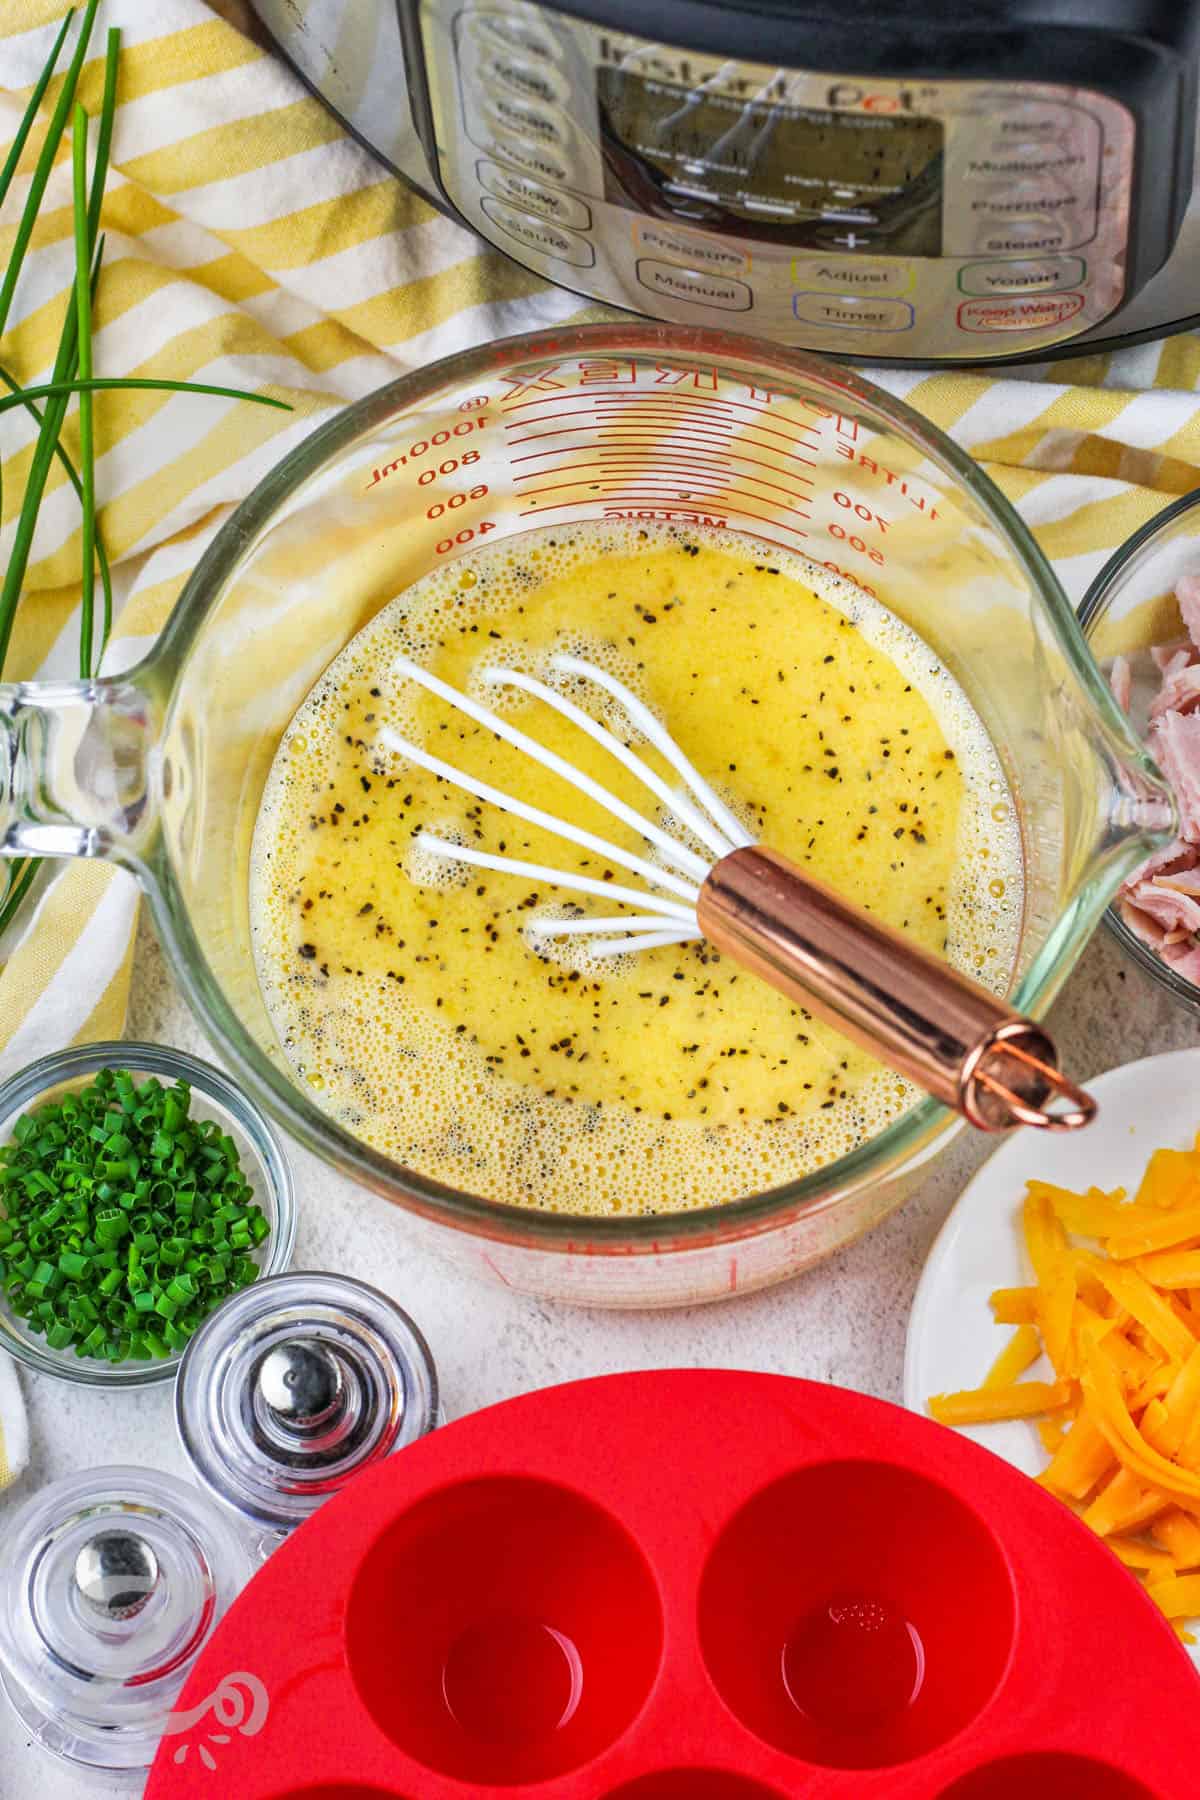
(249, 241)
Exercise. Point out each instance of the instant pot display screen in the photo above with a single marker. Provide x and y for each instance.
(757, 167)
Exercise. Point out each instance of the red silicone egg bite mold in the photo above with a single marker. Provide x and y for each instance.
(693, 1585)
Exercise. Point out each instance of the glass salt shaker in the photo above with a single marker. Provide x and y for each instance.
(113, 1581)
(295, 1385)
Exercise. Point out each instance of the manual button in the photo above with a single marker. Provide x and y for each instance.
(541, 235)
(853, 312)
(1032, 275)
(523, 190)
(696, 285)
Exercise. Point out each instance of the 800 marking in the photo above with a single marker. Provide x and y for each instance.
(423, 446)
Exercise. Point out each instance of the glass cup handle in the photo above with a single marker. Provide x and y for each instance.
(78, 769)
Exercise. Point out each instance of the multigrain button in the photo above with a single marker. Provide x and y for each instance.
(525, 118)
(852, 312)
(539, 234)
(1031, 275)
(1035, 312)
(696, 285)
(852, 275)
(695, 251)
(524, 191)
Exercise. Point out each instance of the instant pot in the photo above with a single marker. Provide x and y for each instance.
(917, 181)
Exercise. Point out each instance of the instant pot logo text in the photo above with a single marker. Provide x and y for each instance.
(657, 62)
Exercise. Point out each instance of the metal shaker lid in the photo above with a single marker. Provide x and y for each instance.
(112, 1583)
(293, 1386)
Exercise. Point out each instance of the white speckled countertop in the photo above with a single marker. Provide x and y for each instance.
(843, 1322)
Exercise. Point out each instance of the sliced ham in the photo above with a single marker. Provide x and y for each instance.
(1176, 739)
(1185, 960)
(1180, 691)
(1174, 911)
(1165, 656)
(1187, 593)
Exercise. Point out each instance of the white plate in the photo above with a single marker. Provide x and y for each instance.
(952, 1338)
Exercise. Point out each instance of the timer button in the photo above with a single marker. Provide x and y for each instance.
(541, 235)
(852, 312)
(700, 287)
(524, 191)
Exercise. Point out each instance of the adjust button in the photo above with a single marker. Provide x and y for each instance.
(1036, 312)
(852, 275)
(853, 312)
(524, 191)
(541, 235)
(1032, 275)
(696, 285)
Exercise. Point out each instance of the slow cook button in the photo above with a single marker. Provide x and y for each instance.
(696, 285)
(541, 235)
(1034, 312)
(852, 275)
(694, 251)
(852, 312)
(524, 191)
(1033, 275)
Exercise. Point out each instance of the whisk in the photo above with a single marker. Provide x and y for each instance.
(925, 1018)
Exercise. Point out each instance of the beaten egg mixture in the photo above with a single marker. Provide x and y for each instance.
(409, 993)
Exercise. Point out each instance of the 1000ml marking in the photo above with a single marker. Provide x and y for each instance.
(423, 446)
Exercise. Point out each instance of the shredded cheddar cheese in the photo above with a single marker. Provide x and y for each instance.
(1114, 1311)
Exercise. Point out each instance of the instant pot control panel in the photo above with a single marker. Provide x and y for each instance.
(866, 217)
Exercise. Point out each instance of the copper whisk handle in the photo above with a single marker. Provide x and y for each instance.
(915, 1012)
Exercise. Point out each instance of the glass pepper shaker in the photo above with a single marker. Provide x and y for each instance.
(293, 1386)
(113, 1581)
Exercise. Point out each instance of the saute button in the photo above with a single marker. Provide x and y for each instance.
(539, 234)
(541, 123)
(696, 285)
(524, 191)
(852, 275)
(853, 312)
(1032, 275)
(1034, 312)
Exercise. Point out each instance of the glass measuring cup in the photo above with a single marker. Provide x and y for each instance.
(162, 769)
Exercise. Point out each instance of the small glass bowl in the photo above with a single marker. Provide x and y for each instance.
(213, 1097)
(1129, 607)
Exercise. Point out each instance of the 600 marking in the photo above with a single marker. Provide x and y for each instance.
(455, 500)
(423, 446)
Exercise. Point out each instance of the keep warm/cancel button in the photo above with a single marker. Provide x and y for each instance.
(701, 288)
(1029, 312)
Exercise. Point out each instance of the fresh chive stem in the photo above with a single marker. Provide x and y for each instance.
(102, 384)
(45, 163)
(20, 881)
(31, 111)
(83, 327)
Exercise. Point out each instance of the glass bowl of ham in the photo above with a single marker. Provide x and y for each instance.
(1141, 618)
